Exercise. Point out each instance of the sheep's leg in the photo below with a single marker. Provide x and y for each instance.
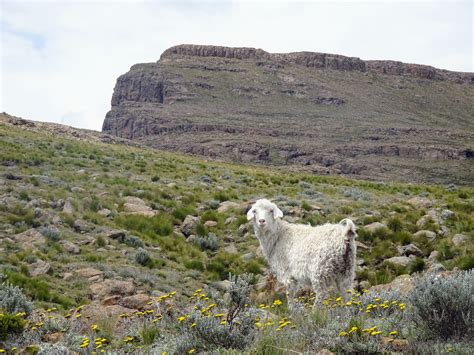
(320, 288)
(343, 285)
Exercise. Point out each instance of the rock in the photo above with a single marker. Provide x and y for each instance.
(114, 233)
(223, 286)
(364, 285)
(230, 220)
(57, 221)
(37, 212)
(68, 276)
(104, 212)
(459, 239)
(324, 352)
(77, 189)
(434, 255)
(97, 311)
(189, 225)
(398, 261)
(82, 226)
(436, 268)
(426, 234)
(402, 284)
(39, 267)
(361, 245)
(243, 228)
(139, 301)
(210, 224)
(420, 202)
(30, 238)
(227, 205)
(372, 227)
(231, 249)
(247, 257)
(410, 249)
(53, 337)
(396, 345)
(445, 214)
(135, 205)
(443, 231)
(70, 247)
(68, 207)
(88, 272)
(111, 300)
(112, 287)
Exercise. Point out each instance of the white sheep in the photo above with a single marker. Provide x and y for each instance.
(302, 256)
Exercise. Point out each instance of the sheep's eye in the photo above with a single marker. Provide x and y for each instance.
(271, 211)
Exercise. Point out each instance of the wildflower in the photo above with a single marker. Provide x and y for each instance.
(192, 351)
(94, 327)
(2, 350)
(339, 299)
(376, 332)
(277, 303)
(78, 315)
(193, 325)
(353, 329)
(349, 303)
(402, 306)
(343, 334)
(218, 315)
(258, 324)
(393, 332)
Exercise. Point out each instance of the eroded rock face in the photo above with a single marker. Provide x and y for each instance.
(236, 104)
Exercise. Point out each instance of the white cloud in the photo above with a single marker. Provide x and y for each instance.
(60, 60)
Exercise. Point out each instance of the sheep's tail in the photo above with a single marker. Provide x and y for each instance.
(350, 228)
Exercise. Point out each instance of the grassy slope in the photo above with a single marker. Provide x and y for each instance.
(110, 172)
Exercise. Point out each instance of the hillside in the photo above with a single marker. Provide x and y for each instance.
(320, 113)
(102, 234)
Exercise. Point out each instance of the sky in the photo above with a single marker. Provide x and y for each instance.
(60, 59)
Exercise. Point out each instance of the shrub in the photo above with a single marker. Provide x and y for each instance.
(209, 242)
(442, 306)
(133, 241)
(51, 233)
(143, 258)
(155, 178)
(209, 333)
(395, 224)
(12, 299)
(10, 324)
(417, 265)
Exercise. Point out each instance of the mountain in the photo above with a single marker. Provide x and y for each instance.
(107, 244)
(316, 112)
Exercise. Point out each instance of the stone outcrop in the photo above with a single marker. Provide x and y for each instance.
(251, 106)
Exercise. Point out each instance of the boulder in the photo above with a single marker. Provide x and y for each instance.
(223, 286)
(227, 205)
(39, 267)
(82, 226)
(112, 287)
(30, 238)
(210, 224)
(111, 300)
(70, 247)
(189, 225)
(372, 227)
(410, 249)
(402, 284)
(88, 272)
(104, 212)
(231, 248)
(139, 301)
(420, 202)
(230, 220)
(114, 233)
(135, 205)
(398, 261)
(459, 239)
(425, 233)
(445, 214)
(68, 207)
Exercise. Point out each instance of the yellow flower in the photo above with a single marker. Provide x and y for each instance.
(353, 329)
(94, 327)
(376, 332)
(394, 333)
(277, 302)
(192, 351)
(338, 299)
(343, 334)
(2, 350)
(223, 322)
(193, 325)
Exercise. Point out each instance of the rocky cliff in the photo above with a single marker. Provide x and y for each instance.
(323, 112)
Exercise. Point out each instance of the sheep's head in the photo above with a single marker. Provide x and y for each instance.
(263, 213)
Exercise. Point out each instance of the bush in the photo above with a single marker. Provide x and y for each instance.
(12, 299)
(10, 324)
(143, 258)
(208, 333)
(133, 241)
(50, 233)
(442, 306)
(209, 242)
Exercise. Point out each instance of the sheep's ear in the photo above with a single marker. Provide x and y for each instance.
(250, 213)
(277, 213)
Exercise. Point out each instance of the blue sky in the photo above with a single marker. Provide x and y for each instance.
(60, 59)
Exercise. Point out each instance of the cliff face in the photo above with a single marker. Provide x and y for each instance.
(323, 112)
